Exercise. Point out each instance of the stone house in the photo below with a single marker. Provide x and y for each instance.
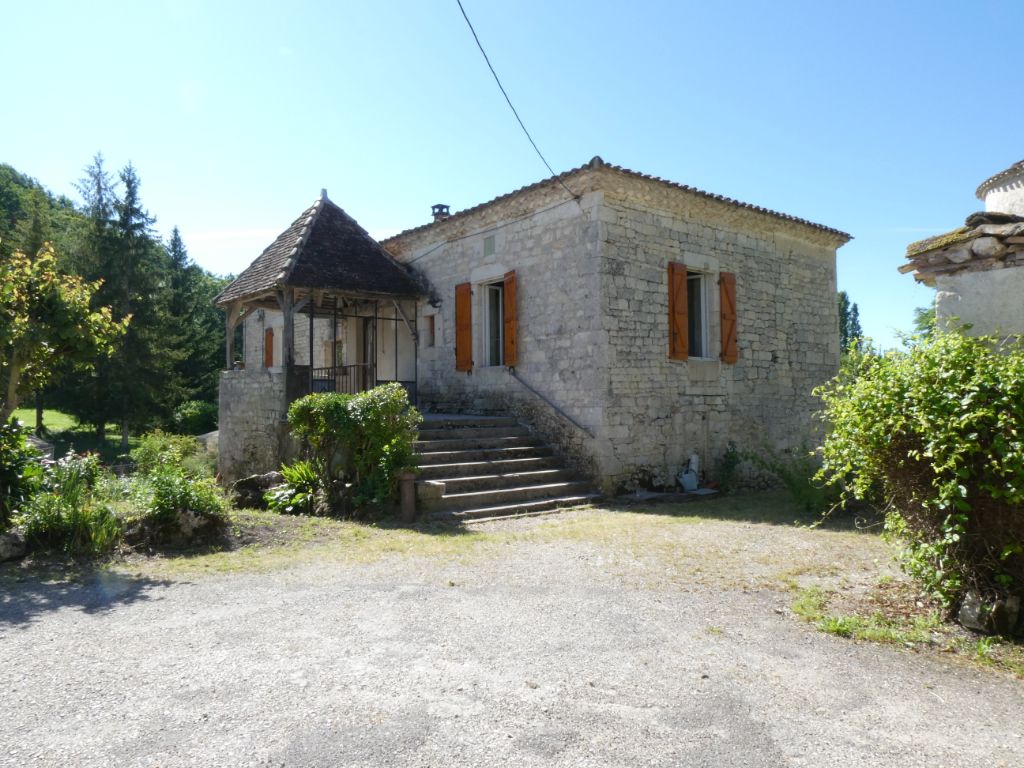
(629, 320)
(978, 269)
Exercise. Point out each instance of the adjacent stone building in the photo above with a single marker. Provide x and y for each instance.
(978, 269)
(630, 320)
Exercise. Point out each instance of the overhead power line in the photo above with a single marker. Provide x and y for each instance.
(507, 99)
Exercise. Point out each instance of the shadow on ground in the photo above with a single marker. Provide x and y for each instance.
(765, 508)
(27, 594)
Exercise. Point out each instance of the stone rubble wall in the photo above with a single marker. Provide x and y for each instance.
(252, 422)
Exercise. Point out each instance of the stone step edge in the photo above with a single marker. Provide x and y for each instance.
(552, 505)
(527, 475)
(510, 449)
(466, 495)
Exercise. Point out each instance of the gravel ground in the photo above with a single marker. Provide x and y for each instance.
(544, 653)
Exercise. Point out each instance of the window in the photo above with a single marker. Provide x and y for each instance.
(494, 324)
(429, 330)
(697, 323)
(489, 245)
(498, 339)
(689, 314)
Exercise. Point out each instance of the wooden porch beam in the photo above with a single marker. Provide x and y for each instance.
(408, 324)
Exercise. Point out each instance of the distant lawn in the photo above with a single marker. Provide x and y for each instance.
(66, 434)
(53, 421)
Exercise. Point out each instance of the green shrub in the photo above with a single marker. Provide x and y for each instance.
(728, 468)
(20, 472)
(195, 417)
(298, 494)
(159, 449)
(65, 515)
(357, 444)
(936, 433)
(170, 507)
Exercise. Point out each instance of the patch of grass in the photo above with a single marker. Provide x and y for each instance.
(53, 421)
(66, 434)
(266, 541)
(725, 545)
(892, 615)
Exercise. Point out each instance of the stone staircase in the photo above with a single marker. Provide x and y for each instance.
(483, 467)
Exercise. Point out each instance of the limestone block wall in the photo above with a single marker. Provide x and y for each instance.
(593, 323)
(990, 301)
(659, 411)
(253, 429)
(561, 342)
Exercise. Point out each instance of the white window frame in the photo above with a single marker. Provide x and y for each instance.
(493, 291)
(703, 279)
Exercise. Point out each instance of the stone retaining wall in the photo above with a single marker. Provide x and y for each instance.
(253, 428)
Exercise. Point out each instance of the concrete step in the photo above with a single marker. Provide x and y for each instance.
(500, 482)
(511, 495)
(439, 470)
(465, 444)
(452, 421)
(466, 433)
(500, 511)
(430, 458)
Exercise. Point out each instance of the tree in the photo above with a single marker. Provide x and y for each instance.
(202, 329)
(46, 316)
(137, 385)
(849, 322)
(924, 321)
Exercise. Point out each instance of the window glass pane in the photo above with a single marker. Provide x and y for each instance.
(495, 312)
(695, 314)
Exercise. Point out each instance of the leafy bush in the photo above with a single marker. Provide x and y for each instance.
(298, 494)
(195, 417)
(170, 507)
(936, 433)
(357, 444)
(20, 472)
(159, 449)
(66, 516)
(728, 468)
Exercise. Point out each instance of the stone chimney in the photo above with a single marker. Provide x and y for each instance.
(440, 211)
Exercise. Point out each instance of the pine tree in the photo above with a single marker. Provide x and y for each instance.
(193, 291)
(849, 322)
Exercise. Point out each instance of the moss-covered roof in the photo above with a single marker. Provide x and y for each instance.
(961, 235)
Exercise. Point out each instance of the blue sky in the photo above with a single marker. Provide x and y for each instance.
(877, 118)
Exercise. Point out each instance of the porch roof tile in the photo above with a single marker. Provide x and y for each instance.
(324, 248)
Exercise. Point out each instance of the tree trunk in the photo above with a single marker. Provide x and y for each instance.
(39, 414)
(101, 432)
(11, 395)
(124, 435)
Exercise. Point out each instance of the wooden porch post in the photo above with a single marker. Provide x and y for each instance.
(284, 299)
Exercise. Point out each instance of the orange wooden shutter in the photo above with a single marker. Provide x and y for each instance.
(463, 327)
(268, 348)
(727, 294)
(678, 325)
(511, 332)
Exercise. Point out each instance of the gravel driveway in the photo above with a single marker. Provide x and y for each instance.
(543, 653)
